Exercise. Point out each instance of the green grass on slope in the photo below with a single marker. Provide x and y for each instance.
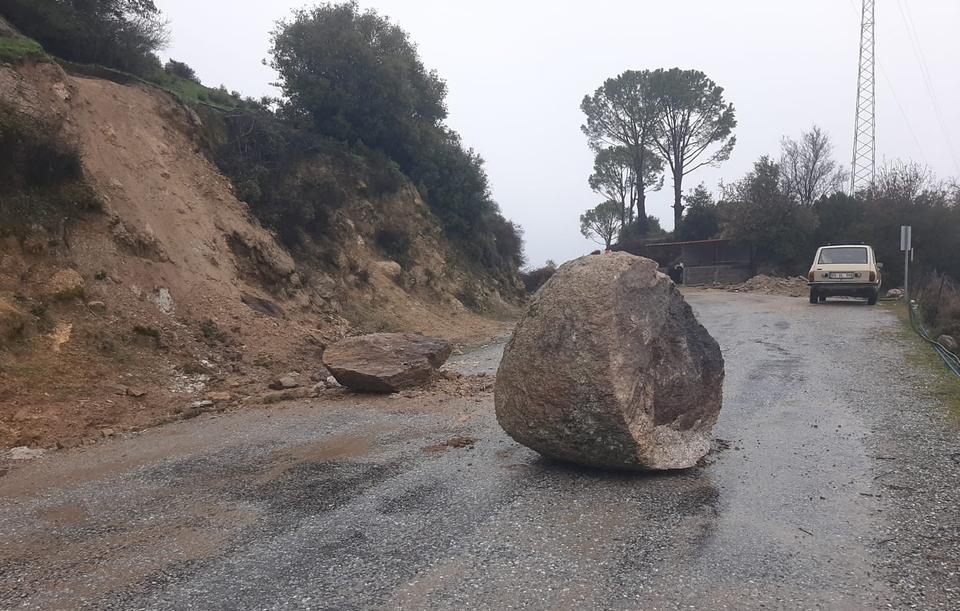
(944, 387)
(189, 92)
(18, 50)
(192, 92)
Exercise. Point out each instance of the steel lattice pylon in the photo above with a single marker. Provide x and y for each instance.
(863, 170)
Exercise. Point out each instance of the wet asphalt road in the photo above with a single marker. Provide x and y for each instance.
(830, 486)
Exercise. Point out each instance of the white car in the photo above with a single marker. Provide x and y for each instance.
(845, 271)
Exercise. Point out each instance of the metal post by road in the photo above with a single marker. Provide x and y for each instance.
(906, 245)
(906, 275)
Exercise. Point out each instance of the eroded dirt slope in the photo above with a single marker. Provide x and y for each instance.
(180, 292)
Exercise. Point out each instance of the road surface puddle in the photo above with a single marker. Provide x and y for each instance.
(328, 449)
(65, 514)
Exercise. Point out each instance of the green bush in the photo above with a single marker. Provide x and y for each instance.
(634, 235)
(291, 178)
(939, 299)
(396, 244)
(41, 174)
(180, 70)
(18, 50)
(120, 34)
(356, 77)
(533, 279)
(700, 220)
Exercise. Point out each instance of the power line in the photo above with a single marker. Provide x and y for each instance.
(903, 113)
(910, 26)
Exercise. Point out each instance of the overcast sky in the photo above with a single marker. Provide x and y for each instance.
(517, 72)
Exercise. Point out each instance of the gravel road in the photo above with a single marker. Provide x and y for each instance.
(834, 483)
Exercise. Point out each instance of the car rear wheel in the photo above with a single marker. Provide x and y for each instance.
(872, 299)
(814, 297)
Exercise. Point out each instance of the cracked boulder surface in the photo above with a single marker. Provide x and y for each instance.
(610, 368)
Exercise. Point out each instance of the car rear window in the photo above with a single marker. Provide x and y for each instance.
(855, 256)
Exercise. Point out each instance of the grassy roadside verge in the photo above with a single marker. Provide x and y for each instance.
(944, 387)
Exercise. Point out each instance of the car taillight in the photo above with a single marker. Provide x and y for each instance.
(810, 277)
(873, 276)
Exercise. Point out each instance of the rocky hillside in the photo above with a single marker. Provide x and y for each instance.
(168, 290)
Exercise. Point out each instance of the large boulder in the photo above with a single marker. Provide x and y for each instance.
(386, 362)
(610, 368)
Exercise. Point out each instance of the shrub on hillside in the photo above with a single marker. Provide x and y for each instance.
(396, 244)
(939, 299)
(355, 76)
(180, 70)
(120, 34)
(533, 279)
(41, 174)
(274, 169)
(19, 50)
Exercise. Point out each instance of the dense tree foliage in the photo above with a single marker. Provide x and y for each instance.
(356, 77)
(602, 223)
(904, 194)
(120, 34)
(634, 235)
(641, 121)
(180, 70)
(269, 163)
(622, 114)
(694, 125)
(758, 213)
(613, 179)
(700, 219)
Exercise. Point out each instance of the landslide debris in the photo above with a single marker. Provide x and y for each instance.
(147, 271)
(795, 286)
(386, 362)
(610, 368)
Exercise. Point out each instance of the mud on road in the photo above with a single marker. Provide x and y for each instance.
(833, 483)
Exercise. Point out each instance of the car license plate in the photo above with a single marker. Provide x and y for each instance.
(841, 275)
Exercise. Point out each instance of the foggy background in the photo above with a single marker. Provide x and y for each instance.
(517, 71)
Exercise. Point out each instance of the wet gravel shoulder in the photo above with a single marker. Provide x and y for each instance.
(914, 442)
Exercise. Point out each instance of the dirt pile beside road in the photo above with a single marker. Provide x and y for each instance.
(794, 286)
